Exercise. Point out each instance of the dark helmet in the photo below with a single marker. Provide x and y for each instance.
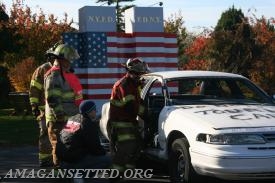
(64, 51)
(136, 65)
(86, 106)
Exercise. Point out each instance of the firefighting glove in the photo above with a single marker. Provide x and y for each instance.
(35, 110)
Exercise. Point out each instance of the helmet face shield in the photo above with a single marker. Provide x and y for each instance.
(72, 55)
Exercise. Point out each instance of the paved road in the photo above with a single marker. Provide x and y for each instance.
(12, 158)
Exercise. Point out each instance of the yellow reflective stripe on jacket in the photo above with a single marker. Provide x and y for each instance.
(36, 84)
(124, 137)
(53, 119)
(44, 156)
(77, 97)
(41, 107)
(141, 109)
(55, 92)
(139, 89)
(34, 100)
(68, 95)
(50, 118)
(120, 103)
(122, 125)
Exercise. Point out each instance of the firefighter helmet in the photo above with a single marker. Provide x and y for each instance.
(50, 51)
(64, 51)
(136, 65)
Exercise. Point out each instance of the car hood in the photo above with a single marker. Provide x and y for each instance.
(229, 116)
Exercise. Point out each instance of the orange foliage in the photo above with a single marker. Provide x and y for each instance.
(263, 71)
(196, 65)
(20, 75)
(37, 31)
(197, 46)
(196, 55)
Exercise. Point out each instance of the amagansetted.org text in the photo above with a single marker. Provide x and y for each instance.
(77, 173)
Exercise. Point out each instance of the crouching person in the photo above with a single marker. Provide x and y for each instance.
(79, 145)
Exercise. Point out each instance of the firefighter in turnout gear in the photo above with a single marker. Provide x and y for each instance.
(125, 105)
(37, 101)
(63, 93)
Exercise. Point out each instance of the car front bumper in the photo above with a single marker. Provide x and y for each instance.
(235, 167)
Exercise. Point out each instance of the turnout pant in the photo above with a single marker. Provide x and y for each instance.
(125, 144)
(54, 129)
(44, 145)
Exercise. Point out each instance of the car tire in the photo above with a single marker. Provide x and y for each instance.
(180, 168)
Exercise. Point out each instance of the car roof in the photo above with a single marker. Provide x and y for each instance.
(193, 73)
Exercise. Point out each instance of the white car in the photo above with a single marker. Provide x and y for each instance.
(208, 123)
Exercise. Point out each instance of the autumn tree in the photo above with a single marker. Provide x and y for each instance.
(119, 11)
(263, 70)
(175, 24)
(22, 69)
(38, 33)
(197, 56)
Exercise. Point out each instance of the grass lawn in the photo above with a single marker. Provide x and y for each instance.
(17, 130)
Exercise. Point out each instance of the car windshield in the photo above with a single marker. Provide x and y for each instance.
(214, 90)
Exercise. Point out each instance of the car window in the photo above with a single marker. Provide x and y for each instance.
(156, 89)
(213, 89)
(155, 96)
(248, 92)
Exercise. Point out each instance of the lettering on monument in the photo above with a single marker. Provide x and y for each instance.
(101, 19)
(143, 19)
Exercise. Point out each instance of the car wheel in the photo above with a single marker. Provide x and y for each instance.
(180, 168)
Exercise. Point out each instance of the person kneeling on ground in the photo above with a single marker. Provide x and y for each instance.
(79, 144)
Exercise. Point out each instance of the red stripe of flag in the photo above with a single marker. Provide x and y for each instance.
(142, 34)
(97, 86)
(141, 44)
(142, 54)
(151, 65)
(100, 75)
(97, 96)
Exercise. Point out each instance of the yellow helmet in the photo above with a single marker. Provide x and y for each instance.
(64, 51)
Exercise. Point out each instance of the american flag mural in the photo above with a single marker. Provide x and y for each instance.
(102, 53)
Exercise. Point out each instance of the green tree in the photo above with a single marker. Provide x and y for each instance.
(4, 85)
(232, 45)
(175, 24)
(119, 11)
(230, 20)
(7, 38)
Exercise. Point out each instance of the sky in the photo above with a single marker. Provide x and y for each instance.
(197, 14)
